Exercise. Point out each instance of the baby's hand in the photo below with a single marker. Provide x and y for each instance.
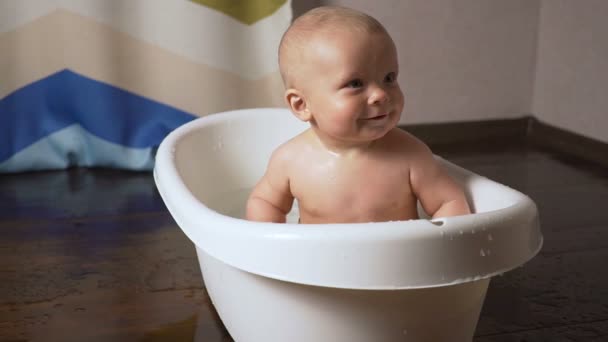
(438, 193)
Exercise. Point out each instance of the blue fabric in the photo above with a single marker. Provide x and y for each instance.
(118, 117)
(75, 146)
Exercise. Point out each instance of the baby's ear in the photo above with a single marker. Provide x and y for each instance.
(297, 103)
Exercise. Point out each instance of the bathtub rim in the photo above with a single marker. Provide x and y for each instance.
(239, 240)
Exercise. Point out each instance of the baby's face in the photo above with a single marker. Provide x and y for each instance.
(351, 85)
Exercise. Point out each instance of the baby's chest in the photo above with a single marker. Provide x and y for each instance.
(370, 190)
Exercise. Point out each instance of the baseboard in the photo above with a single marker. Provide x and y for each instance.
(469, 131)
(554, 138)
(526, 129)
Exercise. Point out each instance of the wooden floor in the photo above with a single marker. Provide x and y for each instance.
(93, 255)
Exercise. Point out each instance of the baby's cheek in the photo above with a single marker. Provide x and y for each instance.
(345, 121)
(345, 115)
(399, 97)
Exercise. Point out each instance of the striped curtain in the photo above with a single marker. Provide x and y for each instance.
(102, 82)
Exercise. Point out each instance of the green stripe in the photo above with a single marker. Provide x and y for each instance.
(245, 11)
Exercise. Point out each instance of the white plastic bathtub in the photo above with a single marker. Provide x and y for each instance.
(411, 280)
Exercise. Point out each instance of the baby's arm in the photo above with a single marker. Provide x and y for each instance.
(271, 198)
(438, 193)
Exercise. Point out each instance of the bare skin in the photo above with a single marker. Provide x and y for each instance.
(353, 164)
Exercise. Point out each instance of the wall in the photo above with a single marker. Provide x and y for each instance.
(460, 60)
(571, 88)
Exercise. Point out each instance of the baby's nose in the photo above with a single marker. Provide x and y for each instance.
(377, 95)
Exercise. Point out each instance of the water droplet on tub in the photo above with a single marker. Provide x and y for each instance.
(482, 253)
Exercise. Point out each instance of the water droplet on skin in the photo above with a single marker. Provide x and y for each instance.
(482, 253)
(490, 237)
(461, 232)
(404, 331)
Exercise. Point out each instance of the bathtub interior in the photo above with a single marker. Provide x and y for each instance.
(220, 164)
(206, 169)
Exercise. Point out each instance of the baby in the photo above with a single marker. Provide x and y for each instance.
(353, 164)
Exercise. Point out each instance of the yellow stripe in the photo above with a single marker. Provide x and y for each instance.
(245, 11)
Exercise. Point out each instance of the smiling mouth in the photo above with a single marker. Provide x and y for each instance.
(378, 117)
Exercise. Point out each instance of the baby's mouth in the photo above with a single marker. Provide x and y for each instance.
(376, 118)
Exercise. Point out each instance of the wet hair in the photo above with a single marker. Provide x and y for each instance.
(320, 19)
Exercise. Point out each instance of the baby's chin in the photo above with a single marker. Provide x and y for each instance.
(377, 129)
(369, 137)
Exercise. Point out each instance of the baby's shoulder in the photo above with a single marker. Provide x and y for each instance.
(405, 143)
(287, 150)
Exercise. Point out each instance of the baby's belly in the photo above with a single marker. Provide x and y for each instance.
(357, 212)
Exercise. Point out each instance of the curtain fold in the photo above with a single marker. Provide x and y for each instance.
(102, 82)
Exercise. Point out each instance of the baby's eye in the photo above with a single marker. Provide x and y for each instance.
(390, 77)
(356, 83)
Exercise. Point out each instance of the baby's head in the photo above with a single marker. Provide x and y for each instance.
(320, 21)
(340, 67)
